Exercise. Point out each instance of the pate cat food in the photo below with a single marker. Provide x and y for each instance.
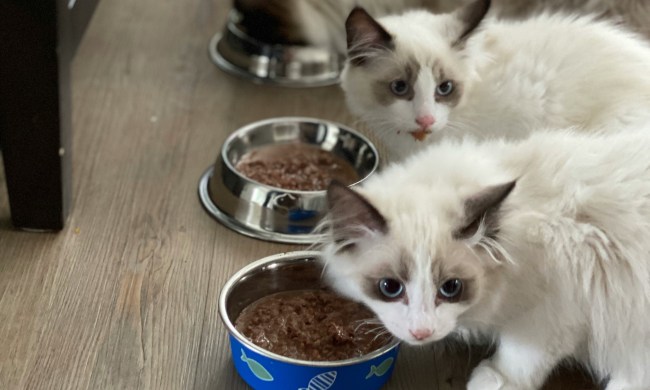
(314, 325)
(295, 166)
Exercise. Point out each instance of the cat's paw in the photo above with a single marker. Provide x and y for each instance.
(485, 377)
(621, 384)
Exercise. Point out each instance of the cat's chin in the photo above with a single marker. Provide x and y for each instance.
(415, 342)
(420, 134)
(418, 137)
(419, 343)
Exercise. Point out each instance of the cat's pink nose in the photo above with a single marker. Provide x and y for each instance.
(420, 334)
(425, 121)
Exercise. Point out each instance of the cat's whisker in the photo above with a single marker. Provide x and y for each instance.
(376, 331)
(368, 324)
(378, 335)
(356, 329)
(373, 330)
(324, 270)
(371, 320)
(361, 323)
(495, 250)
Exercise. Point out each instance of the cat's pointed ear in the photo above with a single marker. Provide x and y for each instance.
(365, 36)
(481, 211)
(468, 19)
(352, 216)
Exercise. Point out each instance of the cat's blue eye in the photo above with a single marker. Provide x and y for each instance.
(451, 289)
(391, 288)
(399, 87)
(445, 88)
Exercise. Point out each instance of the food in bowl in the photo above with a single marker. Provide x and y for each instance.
(313, 325)
(295, 166)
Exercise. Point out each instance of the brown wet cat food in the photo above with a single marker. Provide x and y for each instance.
(295, 166)
(314, 325)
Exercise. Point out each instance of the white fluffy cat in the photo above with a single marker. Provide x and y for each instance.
(543, 243)
(418, 77)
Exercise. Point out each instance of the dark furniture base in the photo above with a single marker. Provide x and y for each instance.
(38, 40)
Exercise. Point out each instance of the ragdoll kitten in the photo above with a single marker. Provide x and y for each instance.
(419, 77)
(542, 243)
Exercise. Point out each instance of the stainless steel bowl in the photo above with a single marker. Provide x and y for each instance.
(266, 370)
(291, 66)
(270, 213)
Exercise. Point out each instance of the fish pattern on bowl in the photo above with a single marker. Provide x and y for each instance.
(264, 373)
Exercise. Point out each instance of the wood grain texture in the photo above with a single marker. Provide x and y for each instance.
(126, 296)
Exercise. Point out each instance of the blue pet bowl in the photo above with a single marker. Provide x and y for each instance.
(262, 369)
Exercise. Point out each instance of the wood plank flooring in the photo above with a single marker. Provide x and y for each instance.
(126, 296)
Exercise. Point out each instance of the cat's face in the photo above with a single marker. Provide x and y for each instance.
(419, 267)
(405, 74)
(417, 293)
(404, 95)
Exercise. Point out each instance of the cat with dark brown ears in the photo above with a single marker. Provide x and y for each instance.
(539, 244)
(418, 77)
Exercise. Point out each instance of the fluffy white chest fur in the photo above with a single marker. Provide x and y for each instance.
(542, 242)
(420, 77)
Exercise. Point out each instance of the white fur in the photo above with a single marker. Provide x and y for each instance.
(576, 229)
(551, 70)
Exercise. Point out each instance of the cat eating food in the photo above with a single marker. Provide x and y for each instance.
(540, 243)
(419, 77)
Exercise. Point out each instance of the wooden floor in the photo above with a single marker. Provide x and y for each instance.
(126, 296)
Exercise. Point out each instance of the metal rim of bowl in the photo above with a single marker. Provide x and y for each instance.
(227, 66)
(234, 224)
(264, 122)
(287, 257)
